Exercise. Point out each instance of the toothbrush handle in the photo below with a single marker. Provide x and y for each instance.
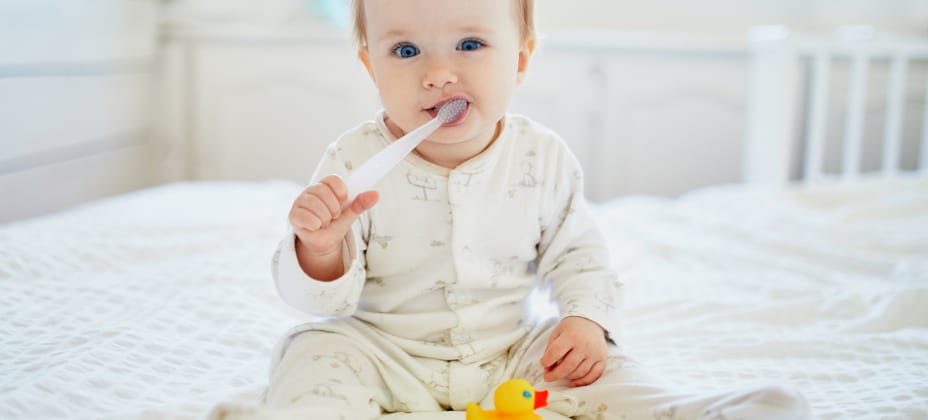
(365, 177)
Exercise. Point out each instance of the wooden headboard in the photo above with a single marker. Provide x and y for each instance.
(836, 108)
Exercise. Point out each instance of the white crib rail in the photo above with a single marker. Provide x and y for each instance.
(773, 125)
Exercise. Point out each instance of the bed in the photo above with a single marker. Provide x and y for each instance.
(159, 303)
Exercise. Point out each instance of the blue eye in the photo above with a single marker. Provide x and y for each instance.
(470, 45)
(406, 50)
(526, 394)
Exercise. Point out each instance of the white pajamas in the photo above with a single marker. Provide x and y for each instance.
(432, 311)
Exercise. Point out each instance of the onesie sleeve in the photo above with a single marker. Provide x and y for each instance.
(573, 259)
(338, 297)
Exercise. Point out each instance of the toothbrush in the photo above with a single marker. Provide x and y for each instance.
(365, 177)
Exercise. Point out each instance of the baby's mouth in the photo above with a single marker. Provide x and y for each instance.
(433, 111)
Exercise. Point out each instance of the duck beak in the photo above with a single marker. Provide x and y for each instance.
(541, 399)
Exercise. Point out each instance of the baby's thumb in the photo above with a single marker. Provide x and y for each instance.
(361, 203)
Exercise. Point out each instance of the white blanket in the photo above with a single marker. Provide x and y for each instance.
(159, 304)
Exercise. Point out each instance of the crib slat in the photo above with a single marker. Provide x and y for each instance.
(771, 120)
(895, 100)
(815, 133)
(860, 66)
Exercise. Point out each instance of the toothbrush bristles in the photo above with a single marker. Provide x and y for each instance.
(451, 110)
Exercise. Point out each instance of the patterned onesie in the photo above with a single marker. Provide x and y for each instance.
(433, 309)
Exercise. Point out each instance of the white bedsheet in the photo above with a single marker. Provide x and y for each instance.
(159, 304)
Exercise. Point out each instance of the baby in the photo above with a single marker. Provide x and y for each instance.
(424, 284)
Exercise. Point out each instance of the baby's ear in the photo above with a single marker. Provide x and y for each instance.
(365, 56)
(525, 55)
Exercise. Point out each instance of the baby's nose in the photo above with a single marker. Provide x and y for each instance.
(439, 75)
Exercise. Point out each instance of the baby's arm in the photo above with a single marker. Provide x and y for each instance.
(573, 261)
(319, 267)
(321, 226)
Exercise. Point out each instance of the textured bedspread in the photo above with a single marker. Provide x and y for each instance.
(823, 288)
(158, 304)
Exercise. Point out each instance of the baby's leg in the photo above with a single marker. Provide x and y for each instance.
(625, 391)
(630, 393)
(329, 375)
(345, 372)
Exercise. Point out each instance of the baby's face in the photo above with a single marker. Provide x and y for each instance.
(422, 53)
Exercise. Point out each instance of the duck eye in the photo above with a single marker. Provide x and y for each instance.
(526, 394)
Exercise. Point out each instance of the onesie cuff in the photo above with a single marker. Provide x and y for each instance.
(608, 320)
(288, 266)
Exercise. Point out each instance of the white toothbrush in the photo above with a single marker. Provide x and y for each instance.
(364, 178)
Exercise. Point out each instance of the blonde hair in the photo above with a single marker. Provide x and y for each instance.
(524, 12)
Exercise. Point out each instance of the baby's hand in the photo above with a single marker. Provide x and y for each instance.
(576, 351)
(318, 219)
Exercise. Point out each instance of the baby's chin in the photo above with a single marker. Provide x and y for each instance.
(462, 134)
(447, 140)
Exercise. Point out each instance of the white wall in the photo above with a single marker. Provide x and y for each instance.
(731, 19)
(75, 86)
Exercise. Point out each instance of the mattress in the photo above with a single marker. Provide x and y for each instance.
(159, 304)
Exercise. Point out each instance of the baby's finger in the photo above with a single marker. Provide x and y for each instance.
(328, 195)
(567, 365)
(362, 203)
(303, 219)
(555, 351)
(595, 373)
(318, 208)
(338, 188)
(582, 370)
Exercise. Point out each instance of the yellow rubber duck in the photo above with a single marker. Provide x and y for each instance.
(514, 399)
